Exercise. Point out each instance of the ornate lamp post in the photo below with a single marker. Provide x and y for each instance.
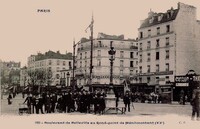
(110, 98)
(111, 52)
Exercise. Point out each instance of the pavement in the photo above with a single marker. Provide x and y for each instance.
(140, 109)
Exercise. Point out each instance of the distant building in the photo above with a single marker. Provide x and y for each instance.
(51, 61)
(168, 46)
(9, 72)
(125, 63)
(23, 77)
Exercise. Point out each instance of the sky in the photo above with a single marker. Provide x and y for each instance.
(24, 31)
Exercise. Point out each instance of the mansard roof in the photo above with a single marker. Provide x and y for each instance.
(166, 17)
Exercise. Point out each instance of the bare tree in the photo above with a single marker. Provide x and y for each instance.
(39, 77)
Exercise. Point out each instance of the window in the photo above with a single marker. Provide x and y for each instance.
(85, 55)
(70, 65)
(131, 64)
(157, 68)
(140, 80)
(140, 58)
(168, 28)
(136, 71)
(131, 55)
(49, 69)
(121, 54)
(80, 64)
(80, 55)
(148, 68)
(131, 72)
(58, 62)
(160, 17)
(157, 43)
(148, 44)
(149, 33)
(86, 63)
(167, 66)
(167, 41)
(81, 46)
(148, 79)
(57, 76)
(167, 79)
(157, 80)
(140, 46)
(141, 34)
(50, 62)
(136, 62)
(98, 62)
(158, 30)
(57, 69)
(140, 69)
(64, 63)
(99, 53)
(121, 63)
(157, 56)
(99, 44)
(167, 54)
(148, 57)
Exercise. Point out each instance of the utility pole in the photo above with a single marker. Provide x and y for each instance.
(91, 51)
(73, 69)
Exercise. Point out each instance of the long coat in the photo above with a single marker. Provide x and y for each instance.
(195, 104)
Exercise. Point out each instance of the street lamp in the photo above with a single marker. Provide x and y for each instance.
(111, 52)
(68, 79)
(111, 98)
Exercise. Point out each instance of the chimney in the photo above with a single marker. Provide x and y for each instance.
(150, 14)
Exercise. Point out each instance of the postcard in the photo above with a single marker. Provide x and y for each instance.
(99, 64)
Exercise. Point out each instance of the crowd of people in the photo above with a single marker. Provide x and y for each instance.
(67, 102)
(88, 102)
(82, 101)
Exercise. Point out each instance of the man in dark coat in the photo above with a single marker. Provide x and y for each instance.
(48, 104)
(39, 104)
(196, 106)
(9, 99)
(127, 101)
(83, 100)
(53, 102)
(33, 103)
(68, 101)
(102, 104)
(28, 101)
(89, 98)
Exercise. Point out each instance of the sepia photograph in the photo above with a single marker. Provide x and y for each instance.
(100, 64)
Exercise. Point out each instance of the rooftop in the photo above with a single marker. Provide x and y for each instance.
(102, 36)
(158, 18)
(53, 55)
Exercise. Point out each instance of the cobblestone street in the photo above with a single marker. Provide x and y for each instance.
(141, 109)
